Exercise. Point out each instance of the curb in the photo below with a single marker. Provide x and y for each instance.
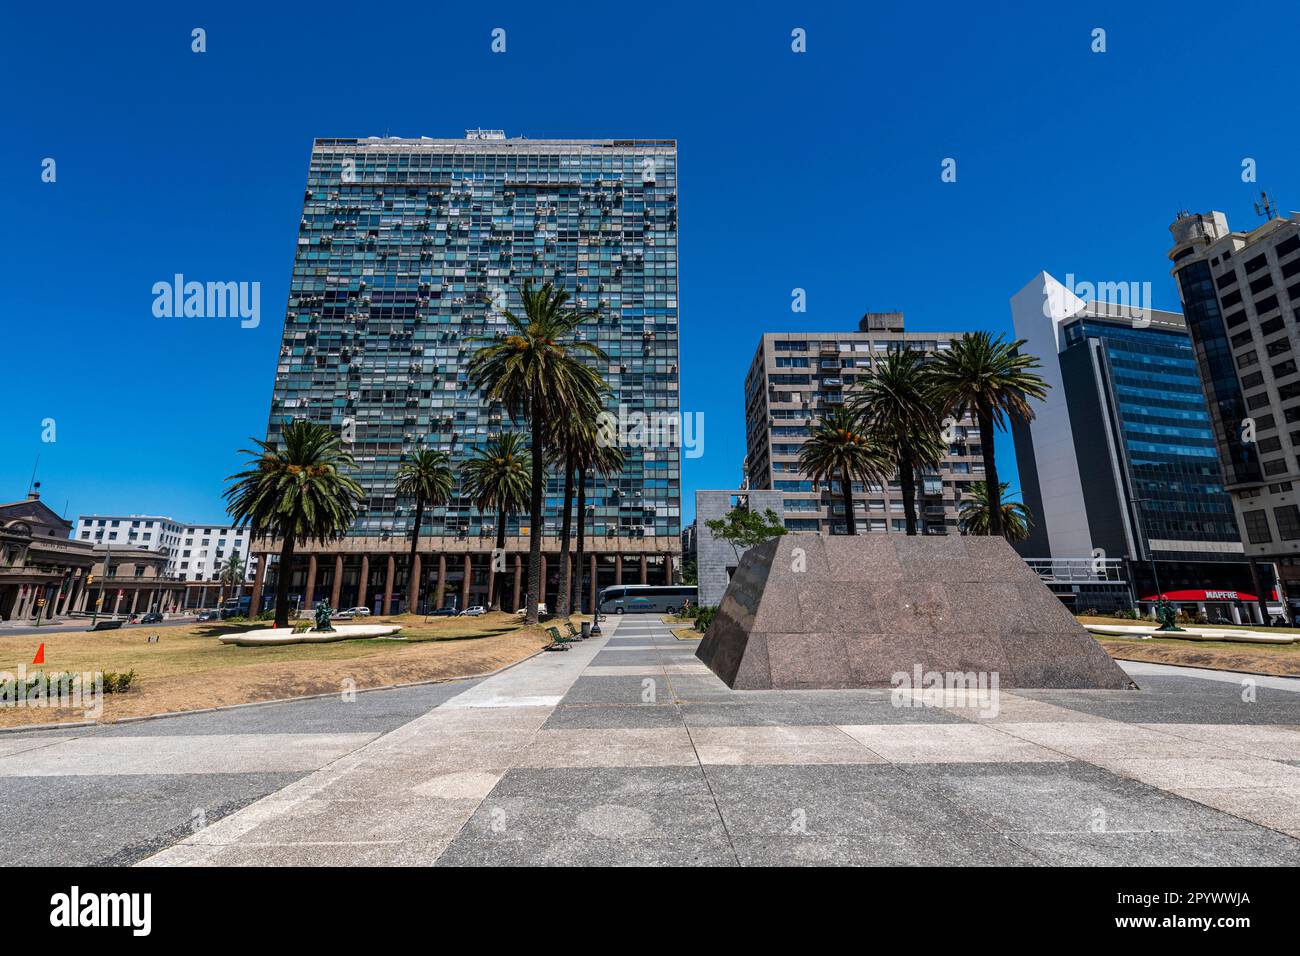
(258, 703)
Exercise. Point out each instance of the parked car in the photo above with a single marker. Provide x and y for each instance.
(444, 612)
(209, 615)
(474, 611)
(349, 613)
(153, 617)
(541, 609)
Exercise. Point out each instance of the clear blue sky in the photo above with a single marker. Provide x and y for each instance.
(819, 171)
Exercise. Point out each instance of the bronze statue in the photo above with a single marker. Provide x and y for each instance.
(1167, 616)
(323, 614)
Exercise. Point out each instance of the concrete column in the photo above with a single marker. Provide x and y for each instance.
(311, 584)
(117, 602)
(519, 573)
(338, 581)
(1236, 613)
(412, 578)
(618, 569)
(440, 589)
(255, 605)
(464, 584)
(365, 581)
(388, 585)
(203, 596)
(135, 597)
(644, 575)
(668, 568)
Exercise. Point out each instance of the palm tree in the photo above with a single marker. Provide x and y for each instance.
(991, 380)
(897, 410)
(597, 456)
(498, 479)
(535, 373)
(295, 491)
(840, 447)
(580, 445)
(231, 575)
(974, 514)
(425, 476)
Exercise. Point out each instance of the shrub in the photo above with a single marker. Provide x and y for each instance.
(704, 617)
(117, 683)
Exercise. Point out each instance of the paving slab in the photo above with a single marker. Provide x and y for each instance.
(947, 743)
(779, 745)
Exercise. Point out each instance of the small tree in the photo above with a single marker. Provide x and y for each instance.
(691, 571)
(742, 528)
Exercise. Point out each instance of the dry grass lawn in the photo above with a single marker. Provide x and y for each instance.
(1277, 660)
(190, 669)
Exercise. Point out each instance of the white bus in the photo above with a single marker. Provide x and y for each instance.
(646, 598)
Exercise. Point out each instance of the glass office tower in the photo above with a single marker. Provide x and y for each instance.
(1119, 465)
(409, 251)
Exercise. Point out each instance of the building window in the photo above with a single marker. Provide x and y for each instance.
(1288, 522)
(1257, 527)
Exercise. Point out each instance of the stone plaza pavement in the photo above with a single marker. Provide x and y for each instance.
(626, 750)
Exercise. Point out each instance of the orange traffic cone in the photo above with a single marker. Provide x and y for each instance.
(40, 654)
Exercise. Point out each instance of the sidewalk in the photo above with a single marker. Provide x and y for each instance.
(626, 750)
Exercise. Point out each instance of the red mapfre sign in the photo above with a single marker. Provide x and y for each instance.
(1202, 596)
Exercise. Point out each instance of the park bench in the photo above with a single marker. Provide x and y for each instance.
(559, 642)
(574, 633)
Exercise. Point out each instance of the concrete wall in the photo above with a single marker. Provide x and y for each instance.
(714, 558)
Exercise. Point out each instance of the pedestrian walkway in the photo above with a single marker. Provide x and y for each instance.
(626, 750)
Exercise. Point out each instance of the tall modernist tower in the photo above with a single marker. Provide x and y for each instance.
(1120, 457)
(408, 253)
(1241, 294)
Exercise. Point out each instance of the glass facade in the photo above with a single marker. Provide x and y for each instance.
(1222, 387)
(1165, 428)
(409, 251)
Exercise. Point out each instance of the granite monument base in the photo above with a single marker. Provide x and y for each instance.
(807, 611)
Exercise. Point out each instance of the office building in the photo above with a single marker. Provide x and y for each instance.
(1118, 466)
(408, 253)
(1241, 294)
(793, 379)
(193, 552)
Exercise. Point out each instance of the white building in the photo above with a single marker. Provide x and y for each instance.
(195, 552)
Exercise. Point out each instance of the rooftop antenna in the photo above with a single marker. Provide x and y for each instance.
(1265, 207)
(32, 480)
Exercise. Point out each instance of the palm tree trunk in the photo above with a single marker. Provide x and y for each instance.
(537, 523)
(412, 583)
(846, 489)
(566, 533)
(499, 577)
(907, 479)
(582, 533)
(985, 421)
(282, 584)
